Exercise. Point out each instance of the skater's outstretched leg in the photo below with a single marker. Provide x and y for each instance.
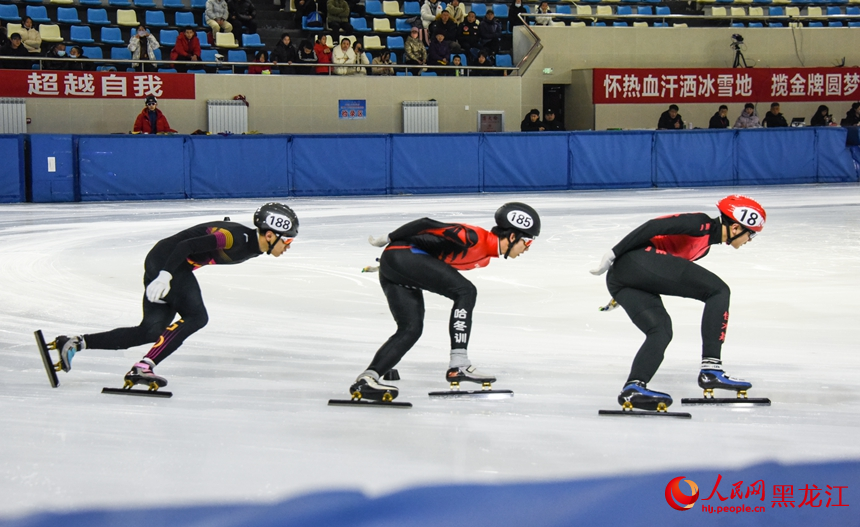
(647, 312)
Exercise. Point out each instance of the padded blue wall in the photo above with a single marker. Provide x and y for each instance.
(177, 167)
(12, 187)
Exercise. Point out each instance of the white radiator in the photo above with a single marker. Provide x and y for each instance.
(13, 116)
(228, 116)
(420, 117)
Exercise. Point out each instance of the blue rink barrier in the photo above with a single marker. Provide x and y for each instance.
(12, 182)
(788, 495)
(127, 167)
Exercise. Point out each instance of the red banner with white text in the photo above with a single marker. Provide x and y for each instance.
(96, 84)
(706, 85)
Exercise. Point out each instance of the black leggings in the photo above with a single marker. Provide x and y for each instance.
(636, 281)
(403, 274)
(157, 325)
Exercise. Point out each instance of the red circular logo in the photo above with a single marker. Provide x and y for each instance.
(676, 498)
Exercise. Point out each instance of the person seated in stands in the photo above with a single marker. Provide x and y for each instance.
(57, 51)
(76, 52)
(483, 63)
(307, 55)
(670, 119)
(323, 52)
(431, 11)
(456, 11)
(262, 68)
(468, 37)
(338, 19)
(748, 117)
(719, 119)
(343, 54)
(360, 58)
(822, 117)
(447, 27)
(187, 48)
(142, 46)
(852, 118)
(30, 37)
(774, 119)
(303, 9)
(243, 17)
(550, 124)
(384, 59)
(543, 14)
(151, 120)
(285, 54)
(457, 61)
(514, 10)
(216, 17)
(413, 49)
(438, 53)
(490, 32)
(15, 48)
(531, 122)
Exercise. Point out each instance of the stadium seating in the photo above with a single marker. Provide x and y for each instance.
(167, 37)
(252, 41)
(81, 35)
(50, 33)
(373, 8)
(92, 52)
(9, 13)
(68, 15)
(97, 17)
(155, 19)
(392, 8)
(38, 13)
(127, 18)
(225, 40)
(185, 19)
(112, 35)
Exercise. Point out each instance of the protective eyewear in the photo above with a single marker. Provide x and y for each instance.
(751, 233)
(287, 241)
(527, 241)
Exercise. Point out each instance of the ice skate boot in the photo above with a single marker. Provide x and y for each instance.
(636, 395)
(713, 377)
(141, 373)
(368, 387)
(468, 374)
(67, 346)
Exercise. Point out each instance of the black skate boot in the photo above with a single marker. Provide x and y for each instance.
(712, 377)
(637, 395)
(67, 346)
(368, 387)
(141, 373)
(469, 374)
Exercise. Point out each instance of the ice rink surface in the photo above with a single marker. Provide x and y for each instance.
(248, 421)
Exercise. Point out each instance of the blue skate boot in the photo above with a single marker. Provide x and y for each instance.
(141, 373)
(67, 346)
(636, 395)
(713, 377)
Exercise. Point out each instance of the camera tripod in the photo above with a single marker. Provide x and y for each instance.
(739, 56)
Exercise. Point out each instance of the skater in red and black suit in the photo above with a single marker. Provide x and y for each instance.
(428, 255)
(171, 287)
(657, 259)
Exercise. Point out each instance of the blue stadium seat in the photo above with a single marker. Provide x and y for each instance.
(500, 10)
(565, 10)
(395, 43)
(112, 35)
(94, 3)
(762, 1)
(402, 24)
(236, 55)
(403, 74)
(173, 4)
(252, 41)
(9, 13)
(833, 10)
(119, 3)
(620, 24)
(155, 19)
(38, 13)
(829, 24)
(776, 11)
(504, 61)
(411, 8)
(622, 10)
(157, 53)
(167, 37)
(166, 70)
(480, 10)
(359, 24)
(81, 35)
(120, 54)
(185, 19)
(68, 15)
(429, 74)
(34, 1)
(144, 3)
(208, 55)
(816, 24)
(643, 10)
(663, 11)
(97, 17)
(756, 24)
(198, 4)
(92, 52)
(201, 71)
(374, 7)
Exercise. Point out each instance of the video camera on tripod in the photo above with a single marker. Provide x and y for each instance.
(737, 42)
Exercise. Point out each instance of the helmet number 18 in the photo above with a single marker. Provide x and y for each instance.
(749, 217)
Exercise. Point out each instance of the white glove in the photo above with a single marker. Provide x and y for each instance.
(382, 241)
(158, 288)
(605, 264)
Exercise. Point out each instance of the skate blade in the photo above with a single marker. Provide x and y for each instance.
(50, 369)
(139, 393)
(725, 401)
(472, 394)
(366, 402)
(645, 413)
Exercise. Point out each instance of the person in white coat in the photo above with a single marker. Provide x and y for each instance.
(142, 46)
(343, 54)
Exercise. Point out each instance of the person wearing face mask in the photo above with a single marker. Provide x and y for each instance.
(75, 52)
(142, 46)
(514, 10)
(58, 51)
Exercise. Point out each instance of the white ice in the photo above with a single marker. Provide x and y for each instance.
(248, 421)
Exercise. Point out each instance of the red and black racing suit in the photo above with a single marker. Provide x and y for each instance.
(212, 243)
(657, 259)
(427, 254)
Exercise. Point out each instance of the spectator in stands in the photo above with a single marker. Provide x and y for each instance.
(457, 61)
(285, 54)
(384, 59)
(243, 17)
(774, 119)
(438, 53)
(57, 51)
(413, 49)
(151, 120)
(187, 48)
(307, 55)
(343, 54)
(456, 11)
(468, 37)
(852, 118)
(142, 46)
(430, 12)
(447, 27)
(76, 52)
(514, 10)
(670, 119)
(483, 61)
(31, 38)
(323, 53)
(531, 122)
(338, 18)
(748, 117)
(822, 117)
(15, 48)
(549, 122)
(260, 69)
(303, 9)
(216, 17)
(719, 119)
(4, 37)
(490, 32)
(543, 14)
(360, 58)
